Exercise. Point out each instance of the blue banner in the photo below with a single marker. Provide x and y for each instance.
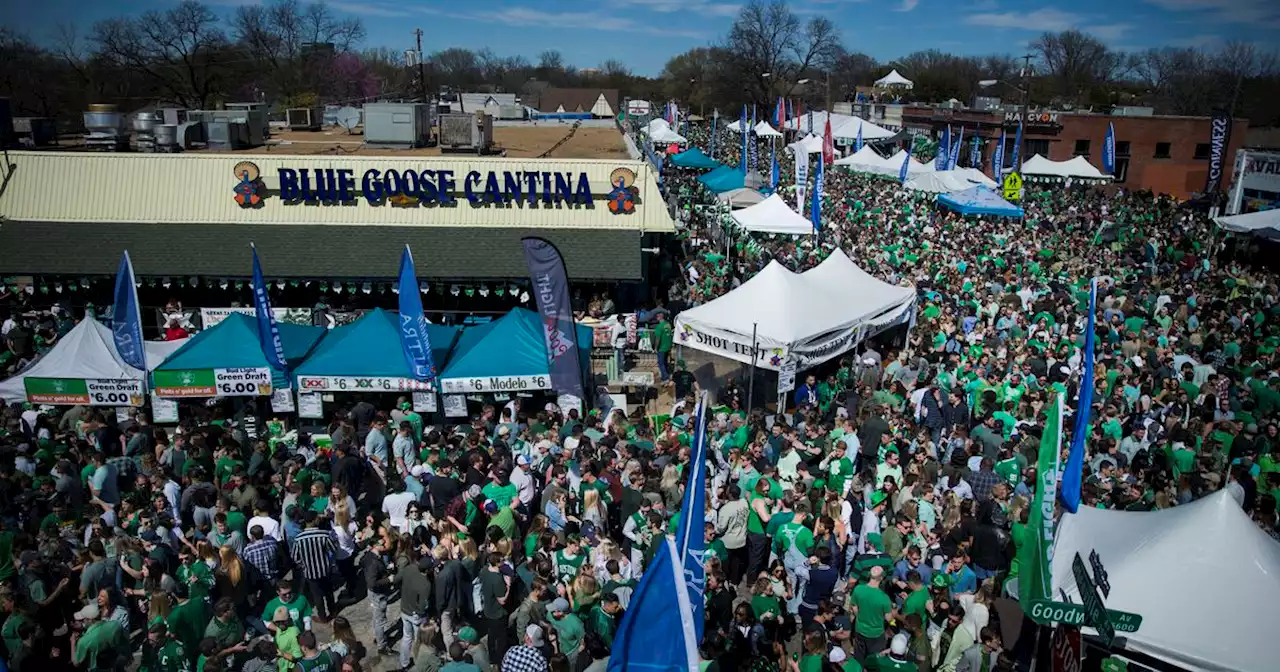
(648, 638)
(414, 339)
(776, 176)
(1109, 150)
(997, 159)
(858, 142)
(944, 151)
(742, 126)
(268, 331)
(755, 150)
(1017, 150)
(975, 152)
(815, 204)
(551, 288)
(126, 318)
(906, 162)
(690, 542)
(1072, 474)
(954, 159)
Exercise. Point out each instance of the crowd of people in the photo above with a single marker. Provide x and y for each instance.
(872, 524)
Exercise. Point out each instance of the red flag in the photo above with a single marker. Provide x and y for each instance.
(828, 144)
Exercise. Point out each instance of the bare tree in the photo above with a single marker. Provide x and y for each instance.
(278, 32)
(1077, 65)
(550, 60)
(182, 51)
(768, 49)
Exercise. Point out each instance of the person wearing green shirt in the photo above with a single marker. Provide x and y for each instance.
(196, 576)
(288, 650)
(568, 560)
(99, 637)
(296, 606)
(189, 618)
(663, 337)
(872, 608)
(162, 652)
(917, 601)
(569, 628)
(500, 491)
(839, 468)
(603, 618)
(896, 659)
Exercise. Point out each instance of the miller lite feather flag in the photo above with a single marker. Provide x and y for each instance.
(802, 176)
(857, 144)
(690, 542)
(751, 134)
(658, 630)
(944, 150)
(414, 339)
(997, 159)
(906, 163)
(551, 288)
(1109, 150)
(815, 205)
(1072, 474)
(126, 319)
(954, 159)
(775, 172)
(268, 330)
(1017, 149)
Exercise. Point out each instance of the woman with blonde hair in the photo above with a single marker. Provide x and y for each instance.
(584, 592)
(231, 579)
(344, 532)
(593, 510)
(669, 486)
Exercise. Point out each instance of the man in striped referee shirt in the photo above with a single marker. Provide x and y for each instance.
(313, 551)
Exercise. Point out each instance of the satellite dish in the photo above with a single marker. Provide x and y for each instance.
(347, 117)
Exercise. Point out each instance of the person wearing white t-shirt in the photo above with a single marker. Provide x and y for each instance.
(270, 526)
(396, 506)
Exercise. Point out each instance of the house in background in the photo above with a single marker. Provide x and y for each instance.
(601, 103)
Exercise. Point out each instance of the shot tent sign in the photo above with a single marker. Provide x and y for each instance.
(243, 382)
(84, 391)
(495, 384)
(361, 384)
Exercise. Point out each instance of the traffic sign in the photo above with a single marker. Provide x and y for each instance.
(1095, 615)
(1065, 645)
(1013, 187)
(1045, 612)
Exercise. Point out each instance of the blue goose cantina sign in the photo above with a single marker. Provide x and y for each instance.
(407, 187)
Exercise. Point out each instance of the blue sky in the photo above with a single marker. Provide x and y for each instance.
(644, 33)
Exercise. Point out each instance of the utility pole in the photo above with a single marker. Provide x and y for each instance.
(422, 68)
(1026, 101)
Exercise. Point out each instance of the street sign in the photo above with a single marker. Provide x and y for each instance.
(1095, 615)
(787, 376)
(1099, 573)
(1012, 187)
(1045, 612)
(1066, 649)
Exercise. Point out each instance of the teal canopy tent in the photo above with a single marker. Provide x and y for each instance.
(369, 348)
(229, 354)
(506, 355)
(724, 178)
(694, 158)
(979, 201)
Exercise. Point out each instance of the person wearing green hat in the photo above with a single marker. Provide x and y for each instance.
(470, 640)
(871, 519)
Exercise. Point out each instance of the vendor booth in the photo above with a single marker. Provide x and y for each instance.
(1264, 224)
(1077, 167)
(227, 360)
(773, 215)
(807, 318)
(508, 355)
(693, 158)
(724, 178)
(811, 144)
(979, 200)
(367, 356)
(740, 198)
(1203, 577)
(84, 367)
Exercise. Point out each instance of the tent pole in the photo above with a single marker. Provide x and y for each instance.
(751, 383)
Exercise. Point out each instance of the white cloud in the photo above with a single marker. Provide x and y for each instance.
(703, 7)
(1266, 12)
(524, 17)
(1108, 32)
(908, 5)
(368, 9)
(1197, 41)
(1047, 19)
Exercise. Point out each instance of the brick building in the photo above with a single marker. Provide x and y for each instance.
(1164, 154)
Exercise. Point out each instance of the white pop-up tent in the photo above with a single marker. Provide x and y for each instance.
(740, 198)
(895, 79)
(1264, 223)
(811, 144)
(85, 367)
(656, 124)
(1204, 578)
(666, 135)
(864, 157)
(938, 182)
(848, 130)
(805, 318)
(1077, 167)
(764, 130)
(773, 215)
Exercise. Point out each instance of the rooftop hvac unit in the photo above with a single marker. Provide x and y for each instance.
(166, 138)
(472, 132)
(304, 118)
(397, 124)
(35, 131)
(172, 115)
(106, 128)
(228, 134)
(256, 116)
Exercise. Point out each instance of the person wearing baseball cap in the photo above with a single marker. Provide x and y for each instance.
(569, 628)
(162, 652)
(470, 640)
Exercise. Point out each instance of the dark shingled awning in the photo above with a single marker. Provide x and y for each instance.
(64, 248)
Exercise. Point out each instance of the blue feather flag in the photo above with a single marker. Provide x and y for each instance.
(906, 162)
(997, 160)
(1109, 150)
(742, 126)
(944, 150)
(776, 170)
(1017, 150)
(755, 150)
(1072, 475)
(815, 204)
(268, 330)
(414, 340)
(126, 318)
(690, 542)
(954, 159)
(648, 637)
(715, 119)
(858, 141)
